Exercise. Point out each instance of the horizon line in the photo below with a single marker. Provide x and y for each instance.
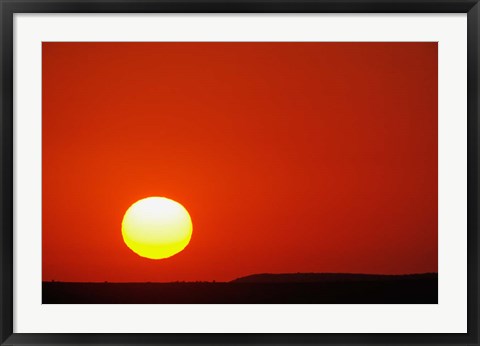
(231, 281)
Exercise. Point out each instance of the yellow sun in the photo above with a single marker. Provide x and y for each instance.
(156, 227)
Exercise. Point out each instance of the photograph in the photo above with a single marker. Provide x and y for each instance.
(239, 172)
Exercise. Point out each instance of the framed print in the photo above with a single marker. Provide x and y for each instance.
(239, 172)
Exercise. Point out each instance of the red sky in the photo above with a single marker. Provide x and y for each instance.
(290, 157)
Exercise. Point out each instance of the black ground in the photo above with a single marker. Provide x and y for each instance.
(255, 289)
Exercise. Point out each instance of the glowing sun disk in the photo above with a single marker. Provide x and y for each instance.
(156, 227)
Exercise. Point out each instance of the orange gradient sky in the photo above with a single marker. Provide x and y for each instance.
(289, 157)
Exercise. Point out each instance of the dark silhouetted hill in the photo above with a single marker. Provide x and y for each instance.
(328, 277)
(300, 288)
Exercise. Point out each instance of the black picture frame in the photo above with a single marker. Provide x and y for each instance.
(10, 7)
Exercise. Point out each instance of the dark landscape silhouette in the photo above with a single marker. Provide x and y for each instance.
(299, 288)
